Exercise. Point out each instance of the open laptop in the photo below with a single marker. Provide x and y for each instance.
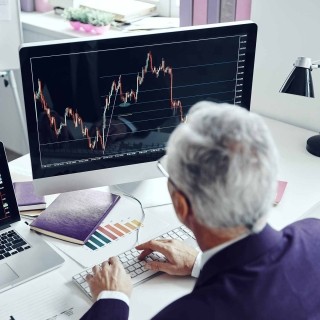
(23, 254)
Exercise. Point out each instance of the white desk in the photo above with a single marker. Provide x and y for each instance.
(297, 166)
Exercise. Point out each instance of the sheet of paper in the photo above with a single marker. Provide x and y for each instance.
(21, 166)
(313, 212)
(5, 12)
(43, 298)
(117, 233)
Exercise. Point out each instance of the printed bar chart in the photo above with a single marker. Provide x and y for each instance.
(108, 233)
(116, 234)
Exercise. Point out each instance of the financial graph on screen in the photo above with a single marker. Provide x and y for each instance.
(123, 103)
(4, 207)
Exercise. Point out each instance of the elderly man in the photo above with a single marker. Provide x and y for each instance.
(222, 165)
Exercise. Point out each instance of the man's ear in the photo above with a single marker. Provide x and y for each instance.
(181, 205)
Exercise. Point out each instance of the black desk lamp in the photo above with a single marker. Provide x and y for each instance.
(299, 82)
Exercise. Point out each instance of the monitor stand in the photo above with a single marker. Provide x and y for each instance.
(151, 193)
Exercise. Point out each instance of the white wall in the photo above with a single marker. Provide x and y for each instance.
(286, 29)
(11, 131)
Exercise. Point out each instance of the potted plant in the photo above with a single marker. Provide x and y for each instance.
(88, 20)
(100, 20)
(73, 15)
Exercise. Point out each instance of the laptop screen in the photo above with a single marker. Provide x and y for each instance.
(8, 205)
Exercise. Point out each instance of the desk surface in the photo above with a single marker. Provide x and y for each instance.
(297, 166)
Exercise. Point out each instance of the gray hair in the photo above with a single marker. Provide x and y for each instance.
(224, 160)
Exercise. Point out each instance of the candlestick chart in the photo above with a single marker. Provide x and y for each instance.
(124, 103)
(100, 139)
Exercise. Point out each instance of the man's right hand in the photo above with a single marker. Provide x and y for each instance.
(180, 257)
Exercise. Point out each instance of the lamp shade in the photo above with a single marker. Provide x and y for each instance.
(299, 81)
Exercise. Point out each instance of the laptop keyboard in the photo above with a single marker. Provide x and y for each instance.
(133, 266)
(11, 243)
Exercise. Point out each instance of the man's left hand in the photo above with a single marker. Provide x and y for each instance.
(111, 276)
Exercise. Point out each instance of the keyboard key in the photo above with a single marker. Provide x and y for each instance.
(80, 280)
(123, 259)
(130, 268)
(148, 259)
(18, 244)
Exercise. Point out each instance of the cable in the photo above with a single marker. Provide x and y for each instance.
(142, 210)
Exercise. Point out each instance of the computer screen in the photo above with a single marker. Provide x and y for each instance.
(9, 212)
(100, 111)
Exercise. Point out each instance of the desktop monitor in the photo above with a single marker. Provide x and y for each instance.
(100, 110)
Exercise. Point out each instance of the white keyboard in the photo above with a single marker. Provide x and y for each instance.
(135, 267)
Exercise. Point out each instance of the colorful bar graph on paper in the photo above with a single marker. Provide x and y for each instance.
(114, 230)
(122, 228)
(108, 233)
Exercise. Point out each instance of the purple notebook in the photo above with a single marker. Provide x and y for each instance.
(74, 216)
(26, 197)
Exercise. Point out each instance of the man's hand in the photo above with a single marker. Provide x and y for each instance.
(180, 257)
(111, 276)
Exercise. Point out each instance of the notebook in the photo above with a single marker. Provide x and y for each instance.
(24, 255)
(26, 197)
(74, 216)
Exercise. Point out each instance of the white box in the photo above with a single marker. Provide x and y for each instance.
(64, 3)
